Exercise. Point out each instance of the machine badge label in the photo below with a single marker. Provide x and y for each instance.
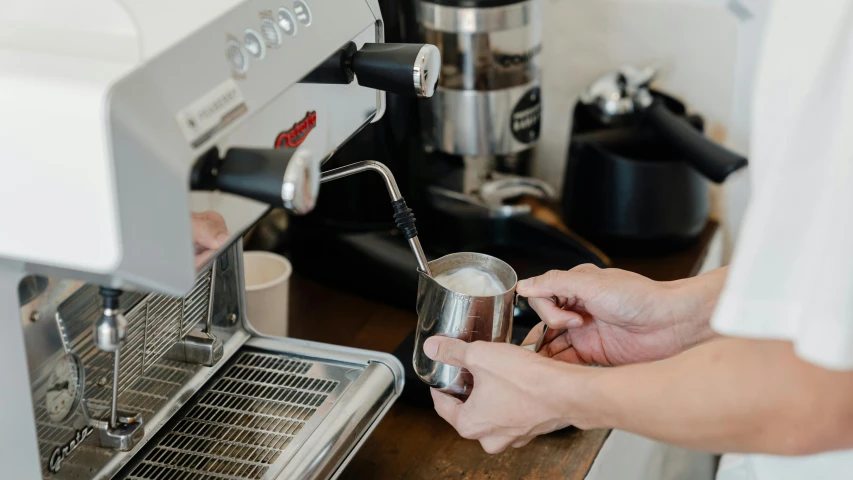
(298, 132)
(61, 453)
(525, 119)
(211, 113)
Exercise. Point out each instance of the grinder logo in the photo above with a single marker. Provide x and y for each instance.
(525, 118)
(298, 132)
(509, 60)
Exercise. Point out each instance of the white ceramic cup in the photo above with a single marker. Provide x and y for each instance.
(267, 278)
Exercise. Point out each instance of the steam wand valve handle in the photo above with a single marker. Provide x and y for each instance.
(403, 215)
(117, 430)
(282, 177)
(400, 68)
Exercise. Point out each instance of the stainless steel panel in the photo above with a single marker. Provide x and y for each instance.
(477, 124)
(146, 104)
(468, 20)
(249, 421)
(148, 383)
(297, 407)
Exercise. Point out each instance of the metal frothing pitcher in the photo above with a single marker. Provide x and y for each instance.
(466, 317)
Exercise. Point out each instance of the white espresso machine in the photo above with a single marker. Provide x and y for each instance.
(120, 358)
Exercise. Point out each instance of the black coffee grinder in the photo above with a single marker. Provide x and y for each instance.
(461, 162)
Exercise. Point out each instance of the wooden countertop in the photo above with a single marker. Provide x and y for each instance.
(413, 442)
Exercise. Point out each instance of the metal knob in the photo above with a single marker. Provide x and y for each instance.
(426, 70)
(301, 183)
(401, 68)
(111, 328)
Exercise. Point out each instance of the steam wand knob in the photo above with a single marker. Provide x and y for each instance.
(400, 68)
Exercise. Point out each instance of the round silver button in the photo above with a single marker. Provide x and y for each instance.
(236, 56)
(286, 22)
(254, 45)
(271, 32)
(303, 13)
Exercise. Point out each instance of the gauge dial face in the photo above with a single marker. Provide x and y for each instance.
(64, 388)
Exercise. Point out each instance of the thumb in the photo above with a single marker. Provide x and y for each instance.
(447, 350)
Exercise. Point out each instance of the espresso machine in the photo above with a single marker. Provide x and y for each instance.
(121, 359)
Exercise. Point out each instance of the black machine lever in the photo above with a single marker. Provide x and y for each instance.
(401, 68)
(281, 177)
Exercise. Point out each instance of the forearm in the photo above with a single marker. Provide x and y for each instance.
(729, 395)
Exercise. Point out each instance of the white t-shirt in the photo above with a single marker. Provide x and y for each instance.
(792, 274)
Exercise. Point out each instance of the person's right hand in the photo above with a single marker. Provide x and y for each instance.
(615, 317)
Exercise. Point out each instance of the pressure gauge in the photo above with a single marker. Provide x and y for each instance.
(64, 388)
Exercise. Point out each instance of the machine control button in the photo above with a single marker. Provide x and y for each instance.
(254, 45)
(236, 56)
(271, 32)
(303, 13)
(286, 22)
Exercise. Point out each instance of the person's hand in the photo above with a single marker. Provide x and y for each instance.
(517, 395)
(209, 234)
(615, 317)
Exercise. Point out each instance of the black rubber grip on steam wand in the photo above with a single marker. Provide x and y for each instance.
(405, 219)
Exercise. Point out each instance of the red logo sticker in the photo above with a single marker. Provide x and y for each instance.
(298, 133)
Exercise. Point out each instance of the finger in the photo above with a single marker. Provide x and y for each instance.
(446, 406)
(209, 229)
(555, 316)
(203, 257)
(534, 334)
(581, 281)
(447, 350)
(495, 445)
(570, 355)
(556, 345)
(522, 442)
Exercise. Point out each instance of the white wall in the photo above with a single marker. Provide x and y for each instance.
(703, 47)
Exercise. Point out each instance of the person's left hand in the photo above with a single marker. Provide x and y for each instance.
(209, 234)
(517, 395)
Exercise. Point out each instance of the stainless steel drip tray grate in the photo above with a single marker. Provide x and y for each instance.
(248, 421)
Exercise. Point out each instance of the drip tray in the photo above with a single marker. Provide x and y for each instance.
(260, 418)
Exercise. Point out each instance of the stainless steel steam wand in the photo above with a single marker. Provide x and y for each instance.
(402, 214)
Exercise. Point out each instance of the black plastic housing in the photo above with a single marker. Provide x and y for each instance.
(710, 159)
(252, 173)
(336, 70)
